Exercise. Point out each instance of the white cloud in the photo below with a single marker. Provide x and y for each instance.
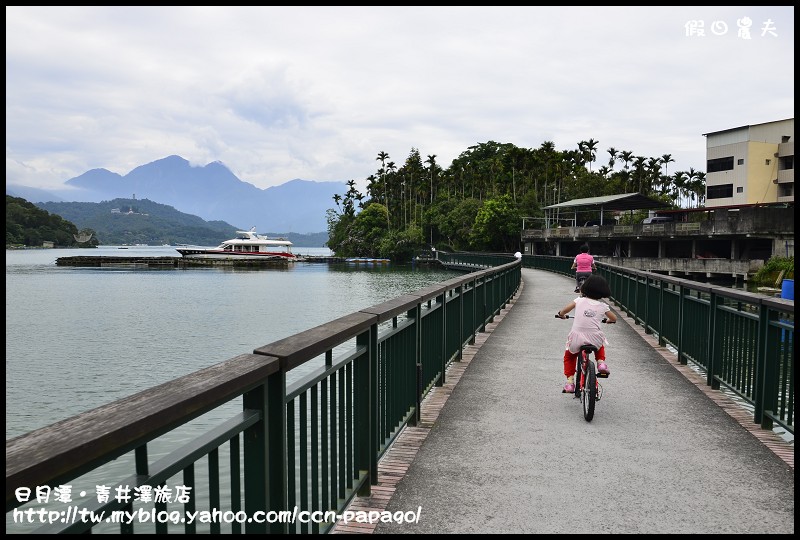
(277, 93)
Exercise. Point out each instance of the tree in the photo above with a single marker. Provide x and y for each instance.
(29, 225)
(497, 225)
(612, 152)
(382, 157)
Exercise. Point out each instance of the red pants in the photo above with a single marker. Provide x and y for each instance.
(570, 359)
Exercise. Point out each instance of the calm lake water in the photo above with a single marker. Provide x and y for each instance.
(78, 338)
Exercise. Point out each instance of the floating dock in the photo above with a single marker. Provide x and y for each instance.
(101, 261)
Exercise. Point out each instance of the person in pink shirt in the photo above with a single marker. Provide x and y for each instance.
(583, 266)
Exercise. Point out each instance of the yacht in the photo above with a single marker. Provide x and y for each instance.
(247, 245)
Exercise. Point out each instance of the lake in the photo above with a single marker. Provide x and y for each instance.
(78, 338)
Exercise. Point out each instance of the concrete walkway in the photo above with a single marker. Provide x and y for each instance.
(500, 446)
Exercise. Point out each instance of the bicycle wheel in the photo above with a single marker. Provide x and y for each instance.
(589, 396)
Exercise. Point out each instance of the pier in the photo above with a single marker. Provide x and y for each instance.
(102, 261)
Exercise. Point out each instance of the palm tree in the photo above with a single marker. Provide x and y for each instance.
(626, 157)
(638, 166)
(699, 187)
(654, 173)
(432, 162)
(390, 168)
(666, 159)
(678, 185)
(382, 157)
(587, 151)
(591, 147)
(613, 159)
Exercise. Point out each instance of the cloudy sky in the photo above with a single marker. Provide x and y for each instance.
(277, 93)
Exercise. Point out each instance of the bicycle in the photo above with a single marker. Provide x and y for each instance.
(580, 277)
(587, 387)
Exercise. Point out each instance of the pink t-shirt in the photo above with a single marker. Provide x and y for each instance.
(584, 262)
(586, 326)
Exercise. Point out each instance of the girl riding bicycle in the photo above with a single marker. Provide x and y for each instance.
(589, 312)
(583, 266)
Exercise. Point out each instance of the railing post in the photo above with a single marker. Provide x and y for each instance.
(416, 315)
(462, 316)
(262, 491)
(761, 355)
(681, 312)
(442, 301)
(713, 343)
(363, 428)
(374, 404)
(661, 340)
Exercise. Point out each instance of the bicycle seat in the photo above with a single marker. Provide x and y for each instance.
(590, 348)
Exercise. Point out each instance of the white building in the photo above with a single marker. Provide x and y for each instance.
(750, 164)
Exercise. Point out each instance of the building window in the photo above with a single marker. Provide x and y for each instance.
(719, 192)
(720, 164)
(786, 163)
(767, 161)
(740, 162)
(739, 189)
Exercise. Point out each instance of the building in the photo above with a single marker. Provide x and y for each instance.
(750, 164)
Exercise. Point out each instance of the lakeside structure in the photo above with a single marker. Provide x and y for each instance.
(747, 219)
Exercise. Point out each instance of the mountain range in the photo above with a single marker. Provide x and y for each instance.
(211, 192)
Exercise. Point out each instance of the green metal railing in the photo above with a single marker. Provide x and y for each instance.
(742, 341)
(299, 446)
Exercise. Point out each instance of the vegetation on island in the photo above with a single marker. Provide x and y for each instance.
(29, 226)
(479, 201)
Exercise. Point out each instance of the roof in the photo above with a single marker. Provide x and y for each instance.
(745, 127)
(626, 201)
(786, 204)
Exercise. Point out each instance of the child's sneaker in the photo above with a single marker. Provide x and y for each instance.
(603, 368)
(569, 387)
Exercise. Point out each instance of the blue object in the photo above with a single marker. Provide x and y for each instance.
(787, 289)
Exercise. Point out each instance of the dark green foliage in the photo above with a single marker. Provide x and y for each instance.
(141, 221)
(768, 274)
(27, 225)
(480, 201)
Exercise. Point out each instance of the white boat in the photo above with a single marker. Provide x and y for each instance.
(248, 245)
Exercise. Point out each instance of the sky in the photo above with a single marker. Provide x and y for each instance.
(316, 93)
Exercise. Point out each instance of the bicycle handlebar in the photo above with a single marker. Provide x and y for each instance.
(567, 317)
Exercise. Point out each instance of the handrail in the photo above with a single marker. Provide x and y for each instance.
(311, 443)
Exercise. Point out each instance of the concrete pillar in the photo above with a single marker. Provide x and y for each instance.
(783, 247)
(662, 249)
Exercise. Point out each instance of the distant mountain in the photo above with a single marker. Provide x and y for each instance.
(211, 192)
(142, 221)
(31, 194)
